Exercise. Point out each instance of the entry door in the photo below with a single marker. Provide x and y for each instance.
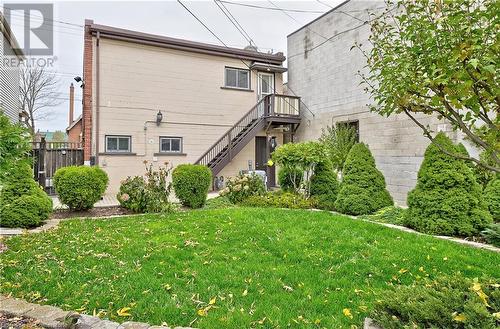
(261, 160)
(265, 83)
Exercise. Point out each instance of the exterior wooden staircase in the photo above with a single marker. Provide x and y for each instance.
(270, 110)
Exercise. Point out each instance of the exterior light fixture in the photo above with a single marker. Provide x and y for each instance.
(159, 117)
(273, 143)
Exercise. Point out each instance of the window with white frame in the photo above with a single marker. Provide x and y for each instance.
(237, 78)
(171, 144)
(118, 144)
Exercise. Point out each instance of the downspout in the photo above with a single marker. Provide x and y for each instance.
(97, 100)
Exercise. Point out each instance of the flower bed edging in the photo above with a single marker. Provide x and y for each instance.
(52, 317)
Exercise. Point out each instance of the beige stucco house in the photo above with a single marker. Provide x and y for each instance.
(157, 99)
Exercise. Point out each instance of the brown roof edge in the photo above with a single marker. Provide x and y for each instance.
(181, 44)
(319, 17)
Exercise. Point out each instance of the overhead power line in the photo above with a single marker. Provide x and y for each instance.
(235, 22)
(270, 8)
(220, 40)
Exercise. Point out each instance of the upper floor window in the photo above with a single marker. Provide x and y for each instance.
(237, 78)
(118, 143)
(171, 144)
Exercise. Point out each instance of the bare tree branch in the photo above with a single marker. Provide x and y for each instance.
(39, 94)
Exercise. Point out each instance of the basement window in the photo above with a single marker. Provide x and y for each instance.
(171, 144)
(237, 78)
(118, 144)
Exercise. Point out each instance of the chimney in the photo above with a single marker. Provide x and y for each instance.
(71, 103)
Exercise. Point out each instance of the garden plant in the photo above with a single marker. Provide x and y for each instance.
(447, 199)
(362, 190)
(191, 184)
(80, 187)
(149, 193)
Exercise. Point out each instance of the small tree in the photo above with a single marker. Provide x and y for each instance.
(338, 140)
(363, 189)
(302, 157)
(15, 146)
(447, 199)
(439, 58)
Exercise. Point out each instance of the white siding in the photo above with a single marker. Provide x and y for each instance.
(9, 83)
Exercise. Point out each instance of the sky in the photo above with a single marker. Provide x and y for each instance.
(267, 28)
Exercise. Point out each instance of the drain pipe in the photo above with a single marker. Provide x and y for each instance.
(97, 99)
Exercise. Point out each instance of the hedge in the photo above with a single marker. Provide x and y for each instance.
(191, 184)
(80, 187)
(362, 190)
(447, 200)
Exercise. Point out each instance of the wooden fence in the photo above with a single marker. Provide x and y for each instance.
(50, 156)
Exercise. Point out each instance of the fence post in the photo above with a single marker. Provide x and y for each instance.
(41, 163)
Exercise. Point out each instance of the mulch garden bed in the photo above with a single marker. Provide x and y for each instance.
(8, 322)
(94, 212)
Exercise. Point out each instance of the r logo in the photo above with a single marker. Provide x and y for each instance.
(38, 28)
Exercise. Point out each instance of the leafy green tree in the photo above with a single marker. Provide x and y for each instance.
(363, 189)
(447, 199)
(338, 140)
(300, 157)
(439, 58)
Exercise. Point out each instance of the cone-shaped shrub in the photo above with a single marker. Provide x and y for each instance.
(324, 185)
(447, 199)
(363, 189)
(492, 198)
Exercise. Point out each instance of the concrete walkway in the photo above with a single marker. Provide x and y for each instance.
(107, 201)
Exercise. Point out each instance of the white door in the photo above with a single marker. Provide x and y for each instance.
(265, 84)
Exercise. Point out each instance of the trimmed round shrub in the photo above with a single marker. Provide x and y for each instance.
(191, 184)
(362, 190)
(288, 176)
(447, 199)
(26, 211)
(324, 186)
(492, 198)
(80, 187)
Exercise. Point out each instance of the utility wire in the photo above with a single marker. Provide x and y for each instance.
(234, 18)
(244, 63)
(235, 23)
(270, 8)
(340, 11)
(300, 23)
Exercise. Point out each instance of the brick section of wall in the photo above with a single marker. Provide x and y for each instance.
(87, 92)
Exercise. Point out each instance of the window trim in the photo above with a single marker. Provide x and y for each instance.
(118, 136)
(171, 152)
(237, 69)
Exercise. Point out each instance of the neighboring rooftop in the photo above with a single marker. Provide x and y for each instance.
(181, 44)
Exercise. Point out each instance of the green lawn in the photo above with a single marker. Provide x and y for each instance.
(264, 268)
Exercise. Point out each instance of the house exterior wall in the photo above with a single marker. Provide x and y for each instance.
(326, 79)
(9, 80)
(75, 133)
(134, 81)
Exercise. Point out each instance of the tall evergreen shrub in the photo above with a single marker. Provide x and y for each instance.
(362, 190)
(324, 185)
(447, 199)
(492, 198)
